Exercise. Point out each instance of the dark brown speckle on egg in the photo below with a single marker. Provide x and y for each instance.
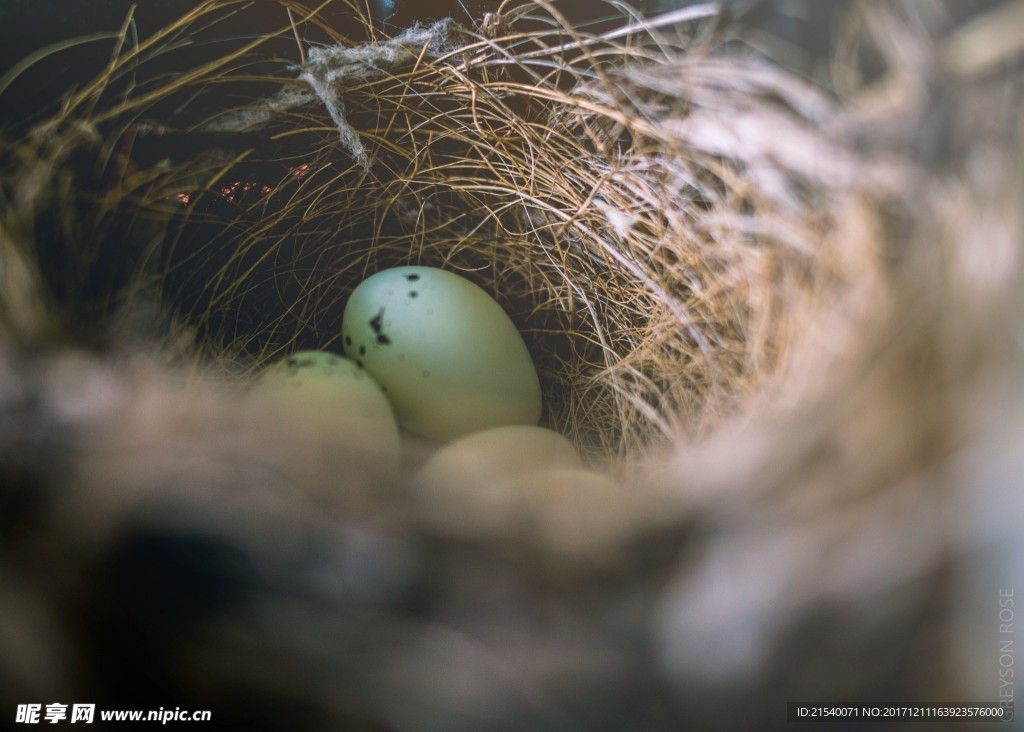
(376, 322)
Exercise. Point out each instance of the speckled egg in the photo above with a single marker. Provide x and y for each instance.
(449, 358)
(333, 392)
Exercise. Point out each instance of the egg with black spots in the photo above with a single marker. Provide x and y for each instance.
(449, 357)
(333, 394)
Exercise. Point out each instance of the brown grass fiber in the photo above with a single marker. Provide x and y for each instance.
(783, 312)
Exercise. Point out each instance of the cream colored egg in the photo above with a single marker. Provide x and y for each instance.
(332, 394)
(566, 510)
(578, 512)
(448, 356)
(496, 454)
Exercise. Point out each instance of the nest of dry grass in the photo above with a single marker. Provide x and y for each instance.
(754, 296)
(655, 217)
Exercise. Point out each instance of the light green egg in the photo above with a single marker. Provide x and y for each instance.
(334, 393)
(449, 358)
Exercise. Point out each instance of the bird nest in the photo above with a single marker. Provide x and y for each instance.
(662, 223)
(745, 294)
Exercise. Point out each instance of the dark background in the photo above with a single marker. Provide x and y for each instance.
(27, 26)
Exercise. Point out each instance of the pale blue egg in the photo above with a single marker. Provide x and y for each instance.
(446, 354)
(333, 393)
